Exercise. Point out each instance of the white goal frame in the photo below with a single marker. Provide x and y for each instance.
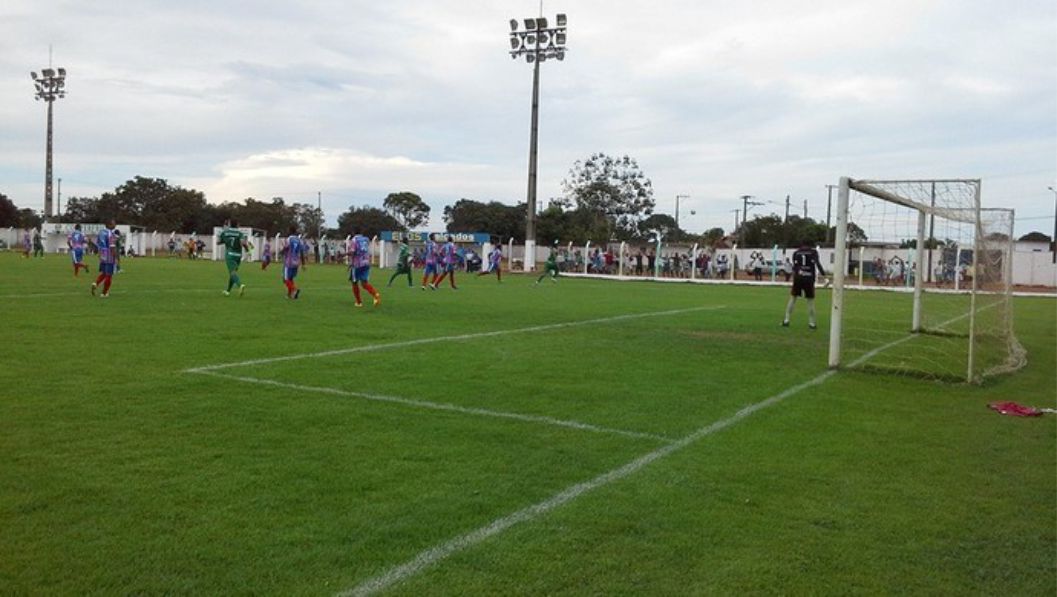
(970, 214)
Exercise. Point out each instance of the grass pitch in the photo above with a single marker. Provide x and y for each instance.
(122, 470)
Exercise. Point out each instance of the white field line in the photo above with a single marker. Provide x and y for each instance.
(444, 407)
(431, 556)
(434, 339)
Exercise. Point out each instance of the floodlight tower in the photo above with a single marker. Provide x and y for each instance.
(537, 43)
(50, 85)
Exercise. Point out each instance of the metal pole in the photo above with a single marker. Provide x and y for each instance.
(58, 210)
(829, 209)
(932, 228)
(977, 245)
(530, 216)
(786, 220)
(915, 324)
(839, 269)
(47, 168)
(805, 209)
(1054, 224)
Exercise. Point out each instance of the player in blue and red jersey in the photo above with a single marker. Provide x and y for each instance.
(76, 242)
(495, 257)
(106, 242)
(449, 260)
(27, 244)
(431, 257)
(266, 254)
(293, 253)
(359, 252)
(805, 262)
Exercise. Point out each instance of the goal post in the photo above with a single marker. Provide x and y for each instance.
(944, 265)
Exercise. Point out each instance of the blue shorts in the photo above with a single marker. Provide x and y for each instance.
(289, 273)
(106, 268)
(449, 268)
(360, 274)
(77, 255)
(431, 268)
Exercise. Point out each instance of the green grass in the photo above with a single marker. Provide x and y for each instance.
(122, 473)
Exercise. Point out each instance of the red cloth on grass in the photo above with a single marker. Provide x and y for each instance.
(1014, 409)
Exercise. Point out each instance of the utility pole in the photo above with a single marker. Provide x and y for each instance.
(736, 213)
(50, 85)
(786, 220)
(536, 43)
(746, 203)
(805, 209)
(677, 198)
(829, 210)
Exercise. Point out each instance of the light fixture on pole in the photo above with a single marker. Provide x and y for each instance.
(537, 43)
(50, 85)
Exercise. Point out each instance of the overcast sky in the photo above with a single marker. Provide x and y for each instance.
(358, 99)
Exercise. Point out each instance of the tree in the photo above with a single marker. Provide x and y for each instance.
(27, 218)
(615, 189)
(712, 236)
(8, 212)
(1031, 237)
(82, 209)
(408, 208)
(498, 219)
(366, 220)
(309, 219)
(660, 223)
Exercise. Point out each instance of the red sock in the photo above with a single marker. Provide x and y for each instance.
(100, 278)
(367, 286)
(289, 286)
(437, 280)
(106, 284)
(356, 292)
(424, 277)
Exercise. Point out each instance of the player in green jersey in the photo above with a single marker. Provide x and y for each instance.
(551, 267)
(234, 243)
(403, 264)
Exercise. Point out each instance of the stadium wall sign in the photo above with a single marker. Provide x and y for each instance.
(459, 237)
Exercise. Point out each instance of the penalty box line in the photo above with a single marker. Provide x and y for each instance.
(435, 554)
(213, 370)
(435, 339)
(443, 407)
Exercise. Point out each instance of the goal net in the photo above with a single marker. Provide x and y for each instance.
(922, 256)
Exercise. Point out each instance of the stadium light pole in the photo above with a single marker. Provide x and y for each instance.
(50, 85)
(1054, 191)
(537, 43)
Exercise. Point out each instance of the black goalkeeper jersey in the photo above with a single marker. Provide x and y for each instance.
(805, 261)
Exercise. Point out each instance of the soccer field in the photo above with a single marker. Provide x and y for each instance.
(584, 437)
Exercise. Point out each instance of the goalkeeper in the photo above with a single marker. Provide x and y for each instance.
(403, 264)
(805, 262)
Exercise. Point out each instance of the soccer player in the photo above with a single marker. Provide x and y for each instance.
(75, 241)
(359, 251)
(234, 242)
(430, 263)
(293, 253)
(27, 244)
(448, 261)
(266, 258)
(805, 261)
(403, 264)
(494, 259)
(106, 241)
(38, 243)
(551, 266)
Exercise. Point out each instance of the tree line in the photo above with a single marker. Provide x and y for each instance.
(604, 198)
